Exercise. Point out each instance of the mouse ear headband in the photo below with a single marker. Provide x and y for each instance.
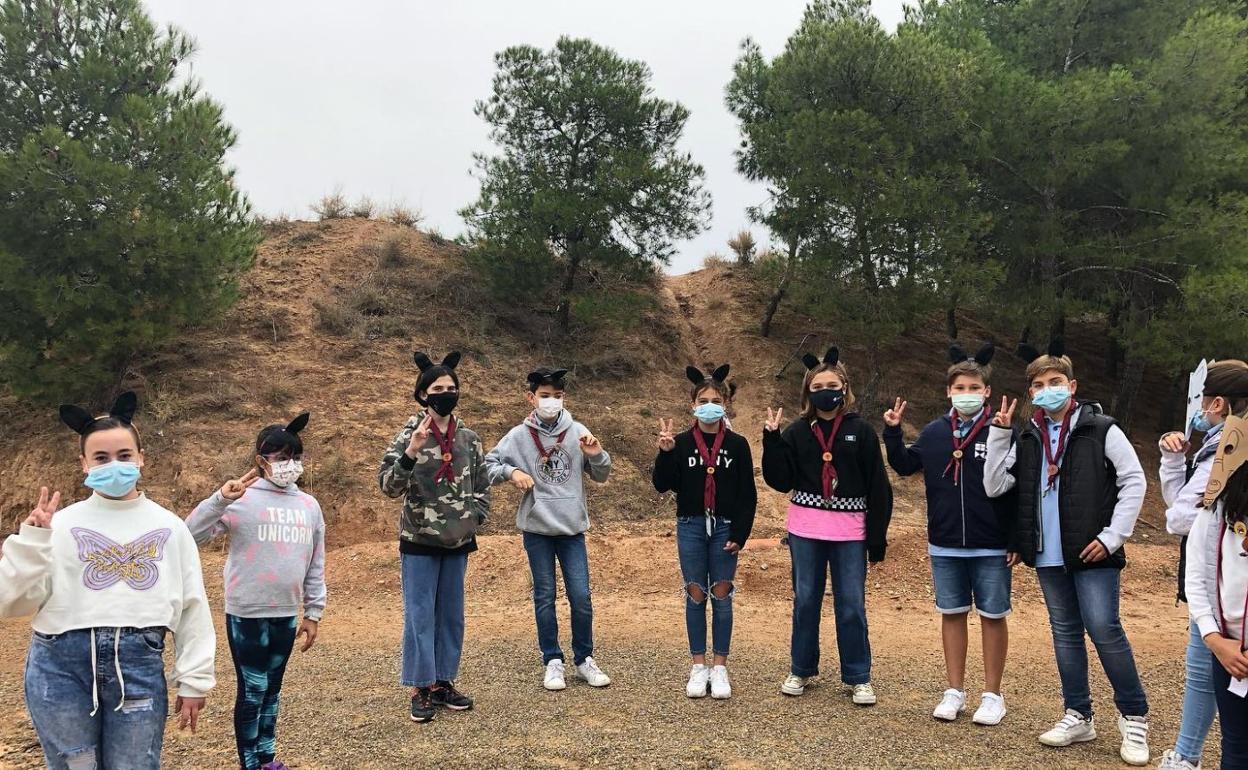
(831, 358)
(80, 420)
(430, 371)
(697, 377)
(1028, 352)
(983, 357)
(546, 376)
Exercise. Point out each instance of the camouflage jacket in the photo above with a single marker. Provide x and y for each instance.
(439, 514)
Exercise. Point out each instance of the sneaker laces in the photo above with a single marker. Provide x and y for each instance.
(591, 666)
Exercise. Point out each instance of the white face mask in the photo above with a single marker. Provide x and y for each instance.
(549, 408)
(284, 472)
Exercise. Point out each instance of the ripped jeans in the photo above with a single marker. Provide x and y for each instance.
(706, 566)
(102, 714)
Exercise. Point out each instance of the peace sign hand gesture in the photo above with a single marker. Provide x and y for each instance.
(667, 439)
(234, 488)
(41, 516)
(893, 416)
(773, 419)
(1005, 417)
(419, 437)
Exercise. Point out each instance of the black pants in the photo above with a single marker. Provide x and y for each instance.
(1233, 716)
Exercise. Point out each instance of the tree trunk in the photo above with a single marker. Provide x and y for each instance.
(564, 311)
(774, 303)
(1128, 387)
(1114, 351)
(951, 318)
(1170, 415)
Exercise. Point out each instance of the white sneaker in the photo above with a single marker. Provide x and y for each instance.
(1072, 728)
(721, 689)
(1134, 749)
(794, 685)
(554, 676)
(699, 677)
(864, 694)
(1171, 760)
(593, 675)
(991, 710)
(952, 704)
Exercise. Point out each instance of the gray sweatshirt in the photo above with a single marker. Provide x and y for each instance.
(276, 564)
(556, 503)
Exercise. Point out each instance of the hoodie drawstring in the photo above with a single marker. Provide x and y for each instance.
(121, 681)
(95, 685)
(95, 675)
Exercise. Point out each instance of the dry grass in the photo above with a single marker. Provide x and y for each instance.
(364, 208)
(403, 215)
(715, 260)
(332, 206)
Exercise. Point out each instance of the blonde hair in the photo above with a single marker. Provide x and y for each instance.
(1060, 364)
(808, 409)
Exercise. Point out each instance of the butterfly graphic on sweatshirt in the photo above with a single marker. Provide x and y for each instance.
(108, 562)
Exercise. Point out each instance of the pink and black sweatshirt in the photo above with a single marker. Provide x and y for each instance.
(276, 564)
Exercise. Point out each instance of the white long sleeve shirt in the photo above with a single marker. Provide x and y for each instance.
(111, 564)
(1181, 494)
(1203, 544)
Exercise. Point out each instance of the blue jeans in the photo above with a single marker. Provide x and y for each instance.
(123, 734)
(961, 581)
(260, 648)
(433, 618)
(574, 560)
(704, 563)
(1199, 704)
(847, 563)
(1087, 600)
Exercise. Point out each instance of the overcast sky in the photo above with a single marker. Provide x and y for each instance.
(376, 96)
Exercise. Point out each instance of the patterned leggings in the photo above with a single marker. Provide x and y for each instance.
(260, 648)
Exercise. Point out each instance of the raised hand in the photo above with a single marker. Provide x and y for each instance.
(590, 445)
(41, 516)
(234, 488)
(1005, 417)
(893, 416)
(1174, 443)
(419, 437)
(667, 439)
(521, 480)
(773, 419)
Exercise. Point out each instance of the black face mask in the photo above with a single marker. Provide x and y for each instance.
(827, 400)
(442, 403)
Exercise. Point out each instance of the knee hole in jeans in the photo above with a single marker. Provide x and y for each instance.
(695, 592)
(723, 590)
(80, 759)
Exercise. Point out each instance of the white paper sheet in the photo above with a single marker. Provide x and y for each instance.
(1195, 387)
(1239, 687)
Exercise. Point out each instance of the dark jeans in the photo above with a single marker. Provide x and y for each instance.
(813, 560)
(1233, 717)
(704, 563)
(120, 734)
(260, 648)
(433, 618)
(1087, 600)
(570, 551)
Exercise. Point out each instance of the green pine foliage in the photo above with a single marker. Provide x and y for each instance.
(119, 222)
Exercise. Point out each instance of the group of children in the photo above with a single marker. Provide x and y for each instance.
(106, 578)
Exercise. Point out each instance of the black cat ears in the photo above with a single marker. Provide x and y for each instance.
(546, 376)
(299, 423)
(79, 419)
(1027, 352)
(697, 376)
(423, 362)
(831, 358)
(983, 356)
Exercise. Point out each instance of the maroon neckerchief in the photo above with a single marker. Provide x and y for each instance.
(960, 445)
(542, 450)
(709, 456)
(1217, 589)
(447, 444)
(829, 470)
(1051, 456)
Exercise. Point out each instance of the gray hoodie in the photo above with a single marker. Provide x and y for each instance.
(556, 503)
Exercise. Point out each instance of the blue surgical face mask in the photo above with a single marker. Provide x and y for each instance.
(1201, 422)
(1052, 399)
(115, 479)
(967, 404)
(709, 413)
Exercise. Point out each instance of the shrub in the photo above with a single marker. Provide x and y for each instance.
(332, 206)
(335, 317)
(743, 245)
(391, 253)
(364, 208)
(715, 260)
(403, 216)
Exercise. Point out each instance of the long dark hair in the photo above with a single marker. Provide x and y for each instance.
(1235, 498)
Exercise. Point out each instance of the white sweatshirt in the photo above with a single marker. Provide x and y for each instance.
(1184, 496)
(114, 564)
(1202, 589)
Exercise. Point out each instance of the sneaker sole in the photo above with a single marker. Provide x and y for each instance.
(555, 687)
(989, 723)
(455, 708)
(943, 718)
(720, 697)
(591, 684)
(864, 702)
(695, 694)
(420, 721)
(1081, 739)
(792, 693)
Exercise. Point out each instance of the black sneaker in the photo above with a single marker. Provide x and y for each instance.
(445, 694)
(422, 705)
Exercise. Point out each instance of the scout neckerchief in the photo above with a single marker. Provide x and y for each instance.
(709, 456)
(542, 450)
(960, 444)
(1241, 531)
(1051, 456)
(829, 470)
(446, 443)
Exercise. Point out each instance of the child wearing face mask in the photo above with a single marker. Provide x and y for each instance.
(1080, 487)
(275, 568)
(106, 578)
(710, 469)
(966, 530)
(547, 457)
(1183, 483)
(840, 506)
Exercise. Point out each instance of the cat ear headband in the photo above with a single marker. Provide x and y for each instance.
(80, 420)
(983, 357)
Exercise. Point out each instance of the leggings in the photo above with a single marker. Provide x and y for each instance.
(260, 648)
